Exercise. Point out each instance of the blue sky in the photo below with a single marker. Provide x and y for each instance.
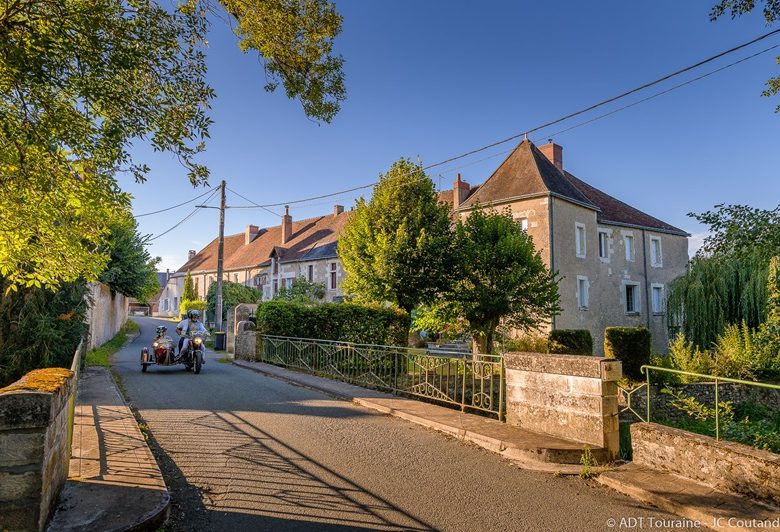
(433, 79)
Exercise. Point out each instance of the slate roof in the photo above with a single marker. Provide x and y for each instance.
(311, 239)
(526, 172)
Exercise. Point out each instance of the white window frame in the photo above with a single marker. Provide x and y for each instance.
(605, 247)
(630, 249)
(658, 260)
(580, 248)
(637, 298)
(523, 223)
(661, 308)
(582, 303)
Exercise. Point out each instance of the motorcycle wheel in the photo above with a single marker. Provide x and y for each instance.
(197, 365)
(143, 367)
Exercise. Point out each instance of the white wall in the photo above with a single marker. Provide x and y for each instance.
(106, 314)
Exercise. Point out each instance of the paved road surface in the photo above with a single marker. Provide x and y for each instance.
(241, 451)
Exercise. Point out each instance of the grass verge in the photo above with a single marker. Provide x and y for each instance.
(100, 355)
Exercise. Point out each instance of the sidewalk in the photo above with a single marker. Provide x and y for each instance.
(114, 482)
(531, 450)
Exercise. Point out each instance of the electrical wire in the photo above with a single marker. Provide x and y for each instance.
(250, 201)
(172, 207)
(190, 215)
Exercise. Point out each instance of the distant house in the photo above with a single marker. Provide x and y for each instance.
(615, 261)
(267, 259)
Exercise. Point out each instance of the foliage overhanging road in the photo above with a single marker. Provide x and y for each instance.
(241, 451)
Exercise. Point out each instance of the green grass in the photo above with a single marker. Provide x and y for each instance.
(224, 360)
(100, 355)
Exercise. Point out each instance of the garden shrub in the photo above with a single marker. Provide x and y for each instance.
(346, 322)
(528, 343)
(686, 356)
(186, 305)
(629, 345)
(571, 342)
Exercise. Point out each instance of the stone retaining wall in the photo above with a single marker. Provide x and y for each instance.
(725, 466)
(236, 315)
(572, 397)
(106, 314)
(34, 447)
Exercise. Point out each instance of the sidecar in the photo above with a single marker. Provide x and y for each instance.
(161, 352)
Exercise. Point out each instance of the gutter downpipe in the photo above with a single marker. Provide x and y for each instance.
(552, 240)
(647, 281)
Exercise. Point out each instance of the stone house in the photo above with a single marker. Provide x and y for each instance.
(615, 261)
(267, 259)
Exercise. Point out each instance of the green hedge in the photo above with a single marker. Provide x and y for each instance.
(186, 305)
(571, 342)
(346, 322)
(630, 345)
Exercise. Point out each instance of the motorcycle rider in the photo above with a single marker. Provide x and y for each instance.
(188, 326)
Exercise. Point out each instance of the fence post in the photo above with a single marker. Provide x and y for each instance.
(717, 411)
(647, 374)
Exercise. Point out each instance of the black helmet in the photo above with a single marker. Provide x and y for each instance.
(161, 329)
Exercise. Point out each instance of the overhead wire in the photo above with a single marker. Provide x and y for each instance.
(250, 201)
(172, 206)
(190, 215)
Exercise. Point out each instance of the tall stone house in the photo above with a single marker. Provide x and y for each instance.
(615, 262)
(267, 259)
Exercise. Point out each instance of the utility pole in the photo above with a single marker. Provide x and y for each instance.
(220, 256)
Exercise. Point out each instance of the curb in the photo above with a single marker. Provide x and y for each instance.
(526, 459)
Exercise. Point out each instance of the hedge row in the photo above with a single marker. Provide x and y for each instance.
(629, 345)
(188, 305)
(571, 342)
(346, 322)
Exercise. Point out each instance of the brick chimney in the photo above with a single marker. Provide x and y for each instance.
(338, 209)
(286, 225)
(554, 153)
(460, 191)
(250, 233)
(191, 254)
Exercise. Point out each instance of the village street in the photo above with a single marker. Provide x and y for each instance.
(241, 451)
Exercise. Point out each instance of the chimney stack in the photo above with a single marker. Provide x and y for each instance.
(460, 191)
(250, 233)
(286, 225)
(554, 153)
(191, 255)
(167, 275)
(338, 209)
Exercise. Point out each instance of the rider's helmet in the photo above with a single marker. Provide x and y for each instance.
(193, 314)
(161, 330)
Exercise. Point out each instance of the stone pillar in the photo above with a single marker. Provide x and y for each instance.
(236, 315)
(568, 396)
(34, 446)
(246, 339)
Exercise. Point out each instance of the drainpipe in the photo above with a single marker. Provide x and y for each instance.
(552, 239)
(647, 281)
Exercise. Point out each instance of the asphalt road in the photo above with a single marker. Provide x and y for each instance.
(241, 451)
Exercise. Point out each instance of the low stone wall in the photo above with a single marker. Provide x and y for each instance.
(725, 466)
(246, 341)
(236, 315)
(34, 446)
(569, 396)
(106, 314)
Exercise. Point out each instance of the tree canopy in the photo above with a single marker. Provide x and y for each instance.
(130, 270)
(81, 81)
(189, 293)
(302, 291)
(232, 295)
(397, 247)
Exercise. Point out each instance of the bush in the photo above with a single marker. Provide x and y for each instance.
(629, 345)
(186, 306)
(232, 295)
(571, 342)
(346, 322)
(528, 343)
(686, 356)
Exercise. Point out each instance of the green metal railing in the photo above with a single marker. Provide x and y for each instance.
(471, 382)
(646, 370)
(75, 367)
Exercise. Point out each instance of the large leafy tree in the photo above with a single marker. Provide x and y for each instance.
(737, 8)
(130, 270)
(397, 247)
(502, 278)
(232, 295)
(82, 80)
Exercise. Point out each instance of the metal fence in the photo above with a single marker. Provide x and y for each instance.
(75, 367)
(470, 382)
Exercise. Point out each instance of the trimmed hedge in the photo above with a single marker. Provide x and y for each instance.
(346, 322)
(571, 342)
(187, 305)
(629, 345)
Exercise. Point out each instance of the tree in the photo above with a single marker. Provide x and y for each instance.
(232, 295)
(740, 230)
(397, 247)
(82, 80)
(302, 291)
(189, 293)
(130, 270)
(738, 8)
(502, 278)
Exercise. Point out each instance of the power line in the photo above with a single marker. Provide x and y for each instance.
(172, 207)
(250, 201)
(564, 118)
(190, 215)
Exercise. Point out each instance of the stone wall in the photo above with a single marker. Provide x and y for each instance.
(34, 446)
(236, 315)
(246, 341)
(106, 314)
(725, 466)
(572, 397)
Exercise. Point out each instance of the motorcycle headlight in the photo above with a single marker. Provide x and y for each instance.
(155, 344)
(198, 341)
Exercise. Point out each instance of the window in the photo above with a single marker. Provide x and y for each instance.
(632, 298)
(175, 303)
(582, 292)
(656, 258)
(165, 304)
(603, 245)
(235, 277)
(579, 237)
(311, 272)
(658, 298)
(628, 240)
(332, 275)
(523, 223)
(276, 265)
(276, 286)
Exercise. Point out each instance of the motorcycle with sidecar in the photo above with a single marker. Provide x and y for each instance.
(163, 352)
